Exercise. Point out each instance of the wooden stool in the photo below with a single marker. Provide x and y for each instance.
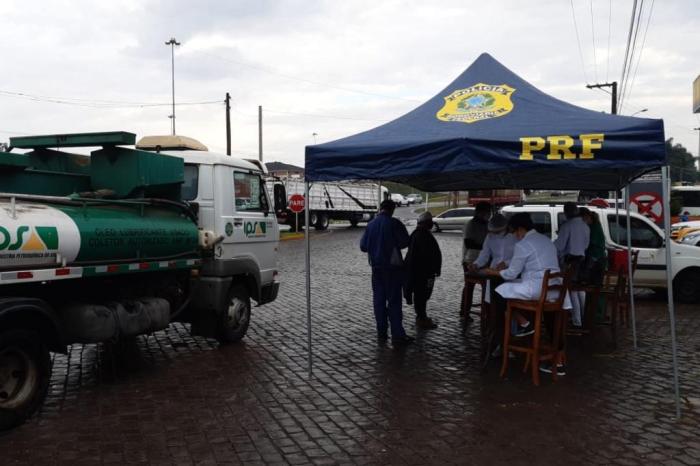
(537, 351)
(616, 301)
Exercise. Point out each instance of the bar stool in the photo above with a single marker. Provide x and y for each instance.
(537, 350)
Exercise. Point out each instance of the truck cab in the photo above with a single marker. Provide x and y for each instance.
(646, 237)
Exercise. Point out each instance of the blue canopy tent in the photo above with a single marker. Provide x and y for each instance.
(490, 129)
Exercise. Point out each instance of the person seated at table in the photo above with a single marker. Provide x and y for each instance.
(533, 255)
(474, 235)
(423, 264)
(571, 243)
(497, 249)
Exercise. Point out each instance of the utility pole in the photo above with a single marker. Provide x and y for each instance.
(260, 149)
(172, 43)
(613, 84)
(228, 124)
(698, 157)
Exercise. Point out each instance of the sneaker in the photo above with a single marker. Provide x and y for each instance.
(524, 330)
(426, 323)
(547, 369)
(401, 341)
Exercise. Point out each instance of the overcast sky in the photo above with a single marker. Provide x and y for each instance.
(327, 67)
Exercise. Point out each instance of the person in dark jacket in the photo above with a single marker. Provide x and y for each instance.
(423, 264)
(383, 241)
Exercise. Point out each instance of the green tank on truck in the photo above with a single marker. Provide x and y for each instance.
(120, 243)
(73, 233)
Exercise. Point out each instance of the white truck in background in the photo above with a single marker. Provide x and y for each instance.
(353, 202)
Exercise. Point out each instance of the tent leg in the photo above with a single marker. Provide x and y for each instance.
(669, 284)
(633, 311)
(307, 240)
(617, 216)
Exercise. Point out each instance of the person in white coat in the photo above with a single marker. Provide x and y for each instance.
(572, 241)
(533, 255)
(497, 249)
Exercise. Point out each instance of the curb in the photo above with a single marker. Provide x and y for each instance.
(291, 236)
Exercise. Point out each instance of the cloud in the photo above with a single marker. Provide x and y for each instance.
(333, 68)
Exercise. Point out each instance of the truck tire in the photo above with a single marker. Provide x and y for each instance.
(323, 222)
(25, 372)
(235, 319)
(313, 218)
(686, 286)
(354, 221)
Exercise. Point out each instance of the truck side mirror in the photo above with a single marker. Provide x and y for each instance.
(280, 194)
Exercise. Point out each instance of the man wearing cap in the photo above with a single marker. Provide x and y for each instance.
(383, 241)
(497, 250)
(423, 264)
(474, 235)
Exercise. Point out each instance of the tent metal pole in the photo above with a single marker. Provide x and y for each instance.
(630, 274)
(307, 240)
(617, 215)
(669, 284)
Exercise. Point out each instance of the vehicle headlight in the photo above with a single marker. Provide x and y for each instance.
(692, 238)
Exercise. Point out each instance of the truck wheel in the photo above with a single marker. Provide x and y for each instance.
(25, 372)
(686, 287)
(313, 218)
(236, 317)
(354, 221)
(323, 222)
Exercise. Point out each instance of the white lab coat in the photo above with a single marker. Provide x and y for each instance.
(498, 248)
(532, 257)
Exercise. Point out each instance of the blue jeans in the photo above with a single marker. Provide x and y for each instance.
(387, 296)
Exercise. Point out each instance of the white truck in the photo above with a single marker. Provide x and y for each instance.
(121, 243)
(348, 201)
(647, 238)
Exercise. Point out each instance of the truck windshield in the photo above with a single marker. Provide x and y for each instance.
(188, 190)
(250, 193)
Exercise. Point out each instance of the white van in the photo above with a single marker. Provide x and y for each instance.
(690, 198)
(647, 238)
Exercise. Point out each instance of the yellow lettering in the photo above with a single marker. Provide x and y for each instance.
(559, 145)
(590, 142)
(530, 145)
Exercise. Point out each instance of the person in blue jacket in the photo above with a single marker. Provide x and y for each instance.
(383, 241)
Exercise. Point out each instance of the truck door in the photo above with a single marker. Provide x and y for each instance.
(651, 262)
(249, 224)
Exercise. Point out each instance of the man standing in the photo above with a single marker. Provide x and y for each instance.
(383, 241)
(572, 241)
(474, 235)
(423, 264)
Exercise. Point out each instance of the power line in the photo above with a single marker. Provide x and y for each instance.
(595, 59)
(96, 103)
(311, 115)
(641, 50)
(632, 43)
(632, 53)
(578, 41)
(629, 40)
(607, 67)
(309, 81)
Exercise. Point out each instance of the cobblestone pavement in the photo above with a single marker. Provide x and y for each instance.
(174, 399)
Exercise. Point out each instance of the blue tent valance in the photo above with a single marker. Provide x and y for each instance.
(490, 129)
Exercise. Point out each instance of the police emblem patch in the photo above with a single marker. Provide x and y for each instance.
(478, 102)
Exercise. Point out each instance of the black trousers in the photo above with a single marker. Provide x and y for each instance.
(422, 290)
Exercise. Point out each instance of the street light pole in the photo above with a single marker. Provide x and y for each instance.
(698, 157)
(172, 43)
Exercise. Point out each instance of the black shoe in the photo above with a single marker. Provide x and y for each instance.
(382, 337)
(426, 323)
(547, 369)
(400, 341)
(524, 330)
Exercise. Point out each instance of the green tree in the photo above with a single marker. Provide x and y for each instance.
(682, 162)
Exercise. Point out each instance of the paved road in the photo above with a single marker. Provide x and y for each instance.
(173, 399)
